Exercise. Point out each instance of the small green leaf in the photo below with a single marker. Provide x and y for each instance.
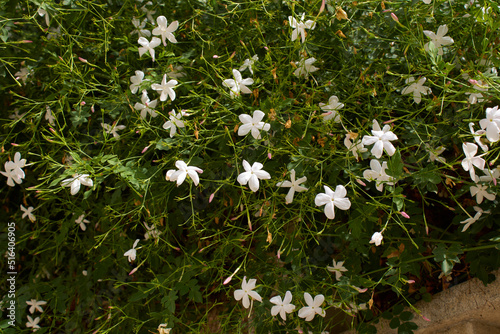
(394, 323)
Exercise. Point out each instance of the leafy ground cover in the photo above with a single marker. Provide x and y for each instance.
(244, 166)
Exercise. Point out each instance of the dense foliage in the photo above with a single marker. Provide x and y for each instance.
(367, 104)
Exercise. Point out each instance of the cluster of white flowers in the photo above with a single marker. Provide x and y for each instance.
(282, 306)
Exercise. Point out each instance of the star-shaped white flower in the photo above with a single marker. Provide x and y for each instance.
(149, 13)
(36, 305)
(471, 220)
(33, 323)
(139, 28)
(148, 46)
(111, 129)
(382, 140)
(313, 307)
(355, 147)
(246, 292)
(165, 88)
(294, 186)
(248, 63)
(491, 124)
(304, 67)
(439, 39)
(28, 213)
(132, 253)
(434, 153)
(253, 124)
(42, 12)
(152, 232)
(147, 106)
(331, 108)
(477, 137)
(252, 175)
(417, 88)
(377, 173)
(162, 329)
(299, 27)
(471, 160)
(22, 74)
(76, 181)
(238, 84)
(164, 31)
(377, 238)
(48, 115)
(82, 221)
(136, 81)
(183, 171)
(175, 121)
(338, 268)
(480, 191)
(282, 306)
(13, 170)
(331, 199)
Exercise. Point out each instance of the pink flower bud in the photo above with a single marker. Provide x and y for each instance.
(425, 318)
(227, 280)
(361, 182)
(410, 281)
(394, 17)
(404, 214)
(215, 56)
(92, 108)
(83, 103)
(14, 144)
(26, 41)
(211, 198)
(472, 81)
(133, 271)
(269, 156)
(83, 60)
(144, 149)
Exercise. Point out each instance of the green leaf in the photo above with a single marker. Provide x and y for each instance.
(394, 323)
(406, 316)
(395, 165)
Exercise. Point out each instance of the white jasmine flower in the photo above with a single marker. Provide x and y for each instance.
(22, 74)
(28, 213)
(477, 137)
(331, 199)
(162, 329)
(33, 323)
(439, 39)
(331, 108)
(165, 88)
(382, 140)
(42, 12)
(355, 147)
(491, 123)
(313, 307)
(377, 173)
(471, 220)
(146, 106)
(136, 81)
(183, 171)
(139, 28)
(148, 46)
(253, 124)
(16, 115)
(282, 306)
(166, 33)
(48, 115)
(471, 160)
(300, 26)
(434, 153)
(132, 253)
(338, 268)
(248, 63)
(152, 232)
(479, 190)
(82, 221)
(377, 238)
(416, 88)
(304, 67)
(76, 181)
(175, 121)
(252, 175)
(111, 129)
(149, 13)
(13, 170)
(238, 84)
(36, 305)
(294, 186)
(246, 292)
